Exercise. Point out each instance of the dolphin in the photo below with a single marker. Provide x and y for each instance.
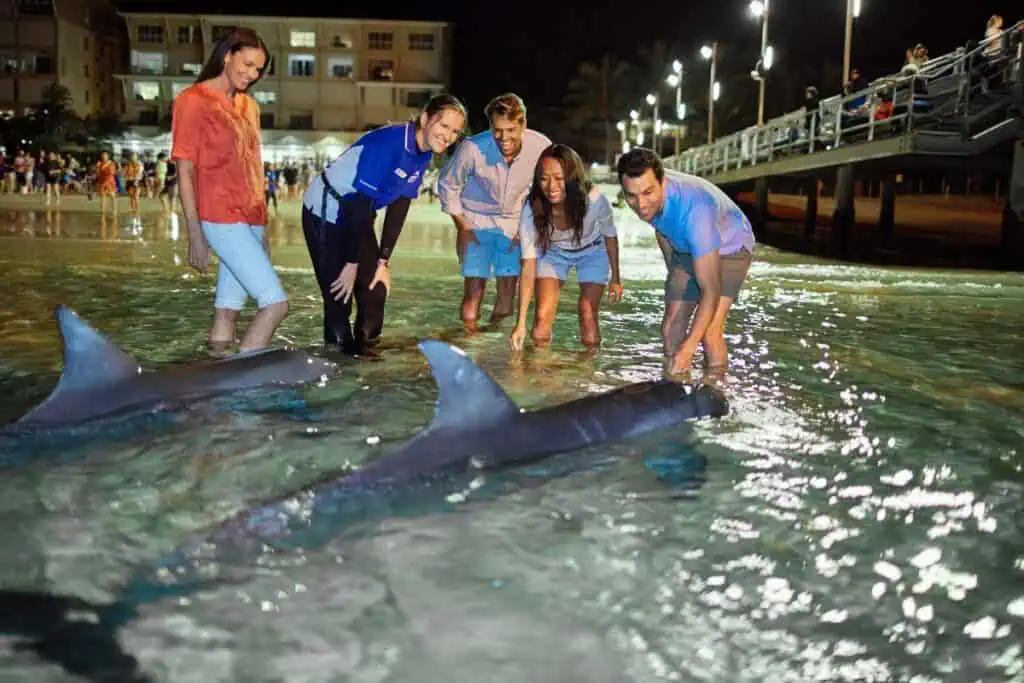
(476, 427)
(100, 380)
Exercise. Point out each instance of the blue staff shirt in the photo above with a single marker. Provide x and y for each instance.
(384, 164)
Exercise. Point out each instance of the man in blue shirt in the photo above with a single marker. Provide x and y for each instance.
(383, 168)
(483, 188)
(708, 245)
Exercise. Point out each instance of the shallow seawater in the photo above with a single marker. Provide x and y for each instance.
(857, 516)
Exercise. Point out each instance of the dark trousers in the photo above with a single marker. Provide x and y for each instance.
(326, 242)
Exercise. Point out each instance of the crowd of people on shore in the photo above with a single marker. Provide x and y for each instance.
(51, 174)
(524, 209)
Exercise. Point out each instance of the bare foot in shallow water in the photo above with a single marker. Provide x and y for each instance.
(219, 349)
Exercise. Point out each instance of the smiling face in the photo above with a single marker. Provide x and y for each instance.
(644, 194)
(439, 132)
(552, 180)
(508, 134)
(242, 68)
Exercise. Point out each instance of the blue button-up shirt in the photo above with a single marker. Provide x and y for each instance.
(479, 185)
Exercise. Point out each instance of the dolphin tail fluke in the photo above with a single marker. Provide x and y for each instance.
(75, 634)
(466, 394)
(90, 361)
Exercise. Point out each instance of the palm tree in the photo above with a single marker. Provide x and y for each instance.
(599, 94)
(56, 100)
(56, 118)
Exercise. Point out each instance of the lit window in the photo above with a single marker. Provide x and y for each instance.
(148, 62)
(341, 67)
(146, 90)
(303, 39)
(301, 65)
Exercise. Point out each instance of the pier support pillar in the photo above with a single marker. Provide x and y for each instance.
(887, 211)
(761, 204)
(811, 213)
(844, 216)
(1013, 212)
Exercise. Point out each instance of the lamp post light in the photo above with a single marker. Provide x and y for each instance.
(654, 100)
(710, 54)
(759, 10)
(852, 12)
(675, 80)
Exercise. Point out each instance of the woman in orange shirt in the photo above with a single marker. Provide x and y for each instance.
(106, 185)
(215, 134)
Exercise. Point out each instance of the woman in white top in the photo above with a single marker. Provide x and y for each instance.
(565, 224)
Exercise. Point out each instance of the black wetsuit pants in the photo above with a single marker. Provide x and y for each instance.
(327, 243)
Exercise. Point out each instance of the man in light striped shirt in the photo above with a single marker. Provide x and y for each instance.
(483, 188)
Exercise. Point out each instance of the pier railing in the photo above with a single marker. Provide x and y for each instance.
(949, 95)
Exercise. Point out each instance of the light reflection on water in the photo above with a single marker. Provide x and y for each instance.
(859, 521)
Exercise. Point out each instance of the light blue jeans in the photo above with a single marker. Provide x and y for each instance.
(245, 267)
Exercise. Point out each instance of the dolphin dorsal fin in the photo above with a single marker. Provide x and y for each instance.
(90, 359)
(466, 395)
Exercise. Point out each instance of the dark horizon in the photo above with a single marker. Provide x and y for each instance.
(537, 56)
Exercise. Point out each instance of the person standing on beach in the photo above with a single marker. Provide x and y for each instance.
(216, 144)
(483, 187)
(383, 168)
(708, 245)
(106, 182)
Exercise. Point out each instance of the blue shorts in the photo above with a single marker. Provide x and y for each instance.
(591, 264)
(495, 249)
(245, 267)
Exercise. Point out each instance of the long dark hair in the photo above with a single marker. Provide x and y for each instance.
(577, 187)
(240, 37)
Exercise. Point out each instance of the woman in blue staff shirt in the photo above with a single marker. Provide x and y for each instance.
(383, 168)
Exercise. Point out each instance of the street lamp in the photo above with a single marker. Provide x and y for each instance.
(675, 80)
(710, 54)
(759, 10)
(652, 99)
(852, 12)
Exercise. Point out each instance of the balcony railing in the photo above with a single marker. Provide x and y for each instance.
(944, 95)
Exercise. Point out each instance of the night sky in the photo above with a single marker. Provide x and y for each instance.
(533, 46)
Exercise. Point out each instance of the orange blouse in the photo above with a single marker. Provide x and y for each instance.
(221, 136)
(105, 172)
